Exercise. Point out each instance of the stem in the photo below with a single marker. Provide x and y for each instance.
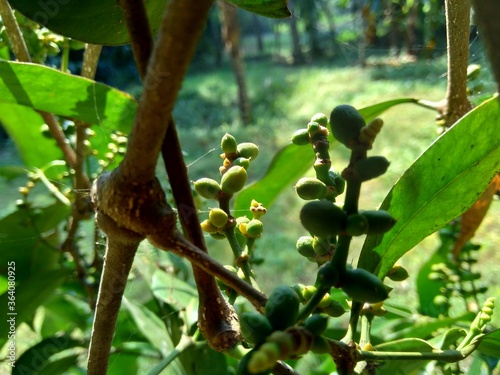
(353, 321)
(311, 305)
(447, 356)
(14, 32)
(238, 252)
(65, 56)
(185, 343)
(457, 35)
(487, 17)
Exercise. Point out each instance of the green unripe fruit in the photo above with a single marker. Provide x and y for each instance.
(254, 228)
(473, 72)
(323, 218)
(316, 324)
(242, 162)
(248, 150)
(325, 301)
(218, 217)
(363, 286)
(243, 365)
(320, 345)
(321, 246)
(320, 118)
(379, 221)
(397, 273)
(334, 309)
(300, 137)
(313, 127)
(299, 288)
(207, 226)
(308, 292)
(233, 180)
(218, 236)
(44, 129)
(310, 188)
(282, 307)
(255, 327)
(304, 246)
(207, 188)
(338, 180)
(346, 123)
(371, 167)
(228, 144)
(357, 225)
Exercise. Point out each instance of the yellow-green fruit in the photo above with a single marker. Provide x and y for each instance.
(316, 324)
(207, 188)
(248, 150)
(346, 123)
(308, 292)
(304, 246)
(320, 118)
(243, 365)
(321, 246)
(228, 144)
(255, 327)
(233, 180)
(325, 301)
(397, 273)
(334, 309)
(218, 217)
(282, 307)
(473, 72)
(371, 167)
(300, 137)
(363, 286)
(299, 288)
(254, 228)
(207, 226)
(310, 188)
(357, 225)
(379, 221)
(323, 218)
(242, 162)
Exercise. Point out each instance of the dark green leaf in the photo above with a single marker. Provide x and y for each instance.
(37, 359)
(286, 168)
(169, 289)
(490, 344)
(267, 8)
(203, 360)
(41, 88)
(11, 172)
(91, 21)
(371, 112)
(440, 185)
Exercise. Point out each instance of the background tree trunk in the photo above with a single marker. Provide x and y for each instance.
(298, 56)
(231, 37)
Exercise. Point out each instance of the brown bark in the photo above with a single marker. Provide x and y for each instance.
(231, 37)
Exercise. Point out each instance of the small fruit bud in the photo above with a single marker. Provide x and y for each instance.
(242, 162)
(228, 144)
(320, 118)
(313, 127)
(254, 228)
(248, 150)
(325, 301)
(300, 137)
(397, 273)
(371, 167)
(334, 309)
(338, 181)
(208, 227)
(316, 324)
(379, 221)
(218, 217)
(233, 180)
(363, 286)
(255, 327)
(346, 123)
(357, 225)
(370, 131)
(473, 71)
(207, 188)
(310, 188)
(321, 246)
(282, 307)
(323, 218)
(304, 246)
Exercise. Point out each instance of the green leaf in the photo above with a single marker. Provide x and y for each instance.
(267, 8)
(42, 88)
(29, 295)
(490, 344)
(91, 21)
(11, 172)
(440, 185)
(169, 289)
(38, 359)
(371, 112)
(63, 313)
(286, 168)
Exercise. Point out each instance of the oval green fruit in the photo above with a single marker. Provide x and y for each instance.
(346, 123)
(207, 188)
(316, 324)
(379, 221)
(304, 246)
(371, 167)
(300, 137)
(242, 162)
(357, 225)
(323, 218)
(320, 118)
(233, 180)
(309, 188)
(398, 273)
(282, 307)
(254, 228)
(218, 217)
(255, 327)
(243, 365)
(248, 150)
(228, 144)
(363, 286)
(334, 309)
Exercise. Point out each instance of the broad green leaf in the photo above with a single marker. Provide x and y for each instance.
(91, 21)
(27, 236)
(29, 295)
(440, 185)
(372, 111)
(286, 168)
(62, 313)
(267, 8)
(23, 125)
(50, 90)
(490, 344)
(11, 172)
(38, 359)
(169, 289)
(203, 360)
(152, 327)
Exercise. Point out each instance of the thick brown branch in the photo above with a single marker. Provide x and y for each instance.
(181, 28)
(487, 12)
